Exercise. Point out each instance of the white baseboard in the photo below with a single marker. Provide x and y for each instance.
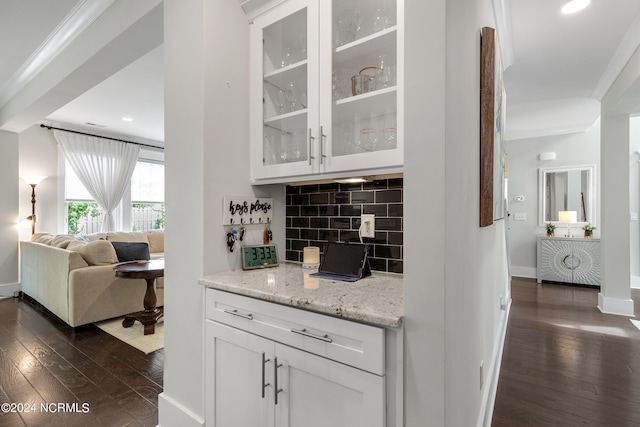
(620, 307)
(7, 290)
(635, 282)
(520, 271)
(490, 391)
(172, 413)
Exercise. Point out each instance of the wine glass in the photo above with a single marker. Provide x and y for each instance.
(291, 93)
(380, 20)
(280, 100)
(287, 57)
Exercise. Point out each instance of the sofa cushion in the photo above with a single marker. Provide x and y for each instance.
(98, 252)
(44, 238)
(124, 236)
(156, 241)
(62, 240)
(131, 251)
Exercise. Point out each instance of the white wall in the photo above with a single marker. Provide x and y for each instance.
(455, 271)
(523, 154)
(207, 152)
(8, 210)
(39, 156)
(634, 198)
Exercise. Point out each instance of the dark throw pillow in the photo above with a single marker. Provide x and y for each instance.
(131, 251)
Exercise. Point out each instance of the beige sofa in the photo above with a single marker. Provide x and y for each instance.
(75, 280)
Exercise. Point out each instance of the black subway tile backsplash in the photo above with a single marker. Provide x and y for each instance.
(321, 213)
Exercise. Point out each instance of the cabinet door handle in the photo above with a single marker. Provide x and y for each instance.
(275, 378)
(306, 333)
(237, 313)
(323, 139)
(264, 363)
(311, 139)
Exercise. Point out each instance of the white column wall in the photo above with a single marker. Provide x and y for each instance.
(8, 213)
(206, 158)
(615, 292)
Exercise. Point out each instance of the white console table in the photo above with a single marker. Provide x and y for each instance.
(570, 260)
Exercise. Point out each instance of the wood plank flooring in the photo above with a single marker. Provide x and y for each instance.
(44, 362)
(565, 363)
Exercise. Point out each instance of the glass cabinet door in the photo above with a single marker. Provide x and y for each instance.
(363, 87)
(286, 105)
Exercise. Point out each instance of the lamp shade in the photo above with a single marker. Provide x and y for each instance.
(33, 179)
(568, 217)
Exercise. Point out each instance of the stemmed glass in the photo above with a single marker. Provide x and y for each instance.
(291, 93)
(287, 57)
(280, 100)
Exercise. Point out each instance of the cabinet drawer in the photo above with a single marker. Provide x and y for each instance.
(351, 343)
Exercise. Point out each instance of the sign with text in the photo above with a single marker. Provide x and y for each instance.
(243, 210)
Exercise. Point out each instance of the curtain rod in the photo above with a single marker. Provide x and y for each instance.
(105, 137)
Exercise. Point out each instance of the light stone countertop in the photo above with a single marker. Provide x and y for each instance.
(377, 299)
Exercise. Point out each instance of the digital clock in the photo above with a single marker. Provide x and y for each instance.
(259, 256)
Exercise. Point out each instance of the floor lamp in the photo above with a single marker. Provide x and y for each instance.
(33, 180)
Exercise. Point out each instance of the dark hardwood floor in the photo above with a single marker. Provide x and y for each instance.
(565, 363)
(48, 371)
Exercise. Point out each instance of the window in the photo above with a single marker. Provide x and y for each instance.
(146, 198)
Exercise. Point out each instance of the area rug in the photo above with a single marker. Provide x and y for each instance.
(134, 336)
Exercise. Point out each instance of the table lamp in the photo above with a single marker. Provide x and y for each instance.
(568, 217)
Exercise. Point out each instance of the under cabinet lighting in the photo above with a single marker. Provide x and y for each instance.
(575, 6)
(357, 180)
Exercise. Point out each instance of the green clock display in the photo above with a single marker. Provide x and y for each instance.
(259, 256)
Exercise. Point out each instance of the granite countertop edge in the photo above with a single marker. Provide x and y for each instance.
(312, 303)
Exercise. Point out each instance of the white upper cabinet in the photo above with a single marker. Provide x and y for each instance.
(326, 90)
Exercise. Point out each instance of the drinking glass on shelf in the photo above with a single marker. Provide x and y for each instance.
(380, 20)
(291, 93)
(390, 131)
(368, 133)
(287, 57)
(284, 149)
(303, 99)
(347, 27)
(280, 100)
(302, 41)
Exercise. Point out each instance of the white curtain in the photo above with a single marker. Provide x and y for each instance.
(104, 167)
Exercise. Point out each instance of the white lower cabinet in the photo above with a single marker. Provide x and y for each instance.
(255, 381)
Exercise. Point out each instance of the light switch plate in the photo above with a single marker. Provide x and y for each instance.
(519, 216)
(634, 216)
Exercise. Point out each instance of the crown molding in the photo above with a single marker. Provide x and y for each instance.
(78, 20)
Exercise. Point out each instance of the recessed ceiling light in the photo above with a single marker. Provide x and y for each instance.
(575, 6)
(127, 119)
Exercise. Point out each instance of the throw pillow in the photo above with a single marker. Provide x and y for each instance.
(131, 251)
(156, 240)
(98, 252)
(75, 245)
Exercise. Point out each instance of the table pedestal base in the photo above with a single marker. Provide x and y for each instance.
(148, 318)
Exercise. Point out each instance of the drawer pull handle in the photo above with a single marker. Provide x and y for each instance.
(306, 333)
(264, 385)
(237, 313)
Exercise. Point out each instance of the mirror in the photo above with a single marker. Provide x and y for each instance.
(568, 188)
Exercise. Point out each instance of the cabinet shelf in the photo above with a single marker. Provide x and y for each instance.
(378, 101)
(288, 122)
(369, 46)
